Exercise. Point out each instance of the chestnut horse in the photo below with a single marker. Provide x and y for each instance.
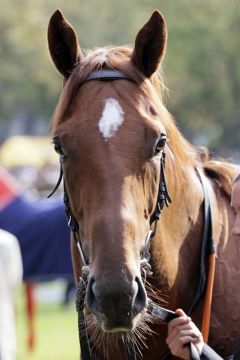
(106, 133)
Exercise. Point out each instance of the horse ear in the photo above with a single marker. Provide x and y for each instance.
(150, 44)
(63, 44)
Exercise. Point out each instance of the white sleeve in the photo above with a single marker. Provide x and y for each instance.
(10, 277)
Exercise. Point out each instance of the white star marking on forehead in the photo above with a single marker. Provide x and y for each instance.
(111, 119)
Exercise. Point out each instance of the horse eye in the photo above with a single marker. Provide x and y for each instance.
(160, 144)
(58, 148)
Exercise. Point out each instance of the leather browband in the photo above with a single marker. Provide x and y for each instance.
(107, 75)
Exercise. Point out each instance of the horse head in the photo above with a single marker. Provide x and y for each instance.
(109, 135)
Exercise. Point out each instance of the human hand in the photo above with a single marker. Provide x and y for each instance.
(182, 331)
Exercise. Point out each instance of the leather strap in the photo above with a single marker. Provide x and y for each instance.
(208, 249)
(107, 75)
(208, 298)
(194, 355)
(207, 241)
(236, 355)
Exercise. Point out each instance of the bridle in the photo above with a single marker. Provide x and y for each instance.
(163, 198)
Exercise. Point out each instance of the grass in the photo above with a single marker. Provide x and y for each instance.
(56, 331)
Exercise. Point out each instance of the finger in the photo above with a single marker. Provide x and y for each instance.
(186, 339)
(178, 331)
(184, 330)
(180, 312)
(189, 332)
(179, 321)
(172, 333)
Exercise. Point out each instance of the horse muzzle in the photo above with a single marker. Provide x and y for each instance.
(116, 305)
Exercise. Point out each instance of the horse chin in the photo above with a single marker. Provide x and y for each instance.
(122, 326)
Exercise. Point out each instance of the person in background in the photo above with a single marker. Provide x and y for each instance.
(11, 272)
(182, 330)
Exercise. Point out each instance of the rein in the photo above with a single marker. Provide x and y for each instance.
(163, 198)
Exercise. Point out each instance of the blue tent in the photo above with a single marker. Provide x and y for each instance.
(41, 228)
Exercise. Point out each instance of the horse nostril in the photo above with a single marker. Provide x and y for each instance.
(140, 300)
(116, 306)
(90, 297)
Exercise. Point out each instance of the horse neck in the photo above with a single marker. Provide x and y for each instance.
(178, 240)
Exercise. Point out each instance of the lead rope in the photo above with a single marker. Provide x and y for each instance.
(208, 298)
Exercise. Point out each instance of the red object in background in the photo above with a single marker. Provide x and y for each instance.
(9, 188)
(31, 308)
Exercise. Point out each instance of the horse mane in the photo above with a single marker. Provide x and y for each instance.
(118, 58)
(236, 179)
(222, 174)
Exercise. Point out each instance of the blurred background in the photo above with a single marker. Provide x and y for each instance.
(201, 66)
(203, 75)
